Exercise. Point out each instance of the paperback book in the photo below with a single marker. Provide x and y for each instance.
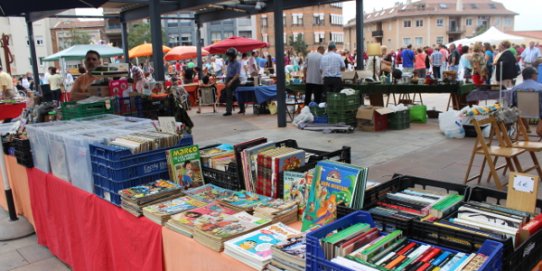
(185, 222)
(185, 166)
(209, 193)
(161, 212)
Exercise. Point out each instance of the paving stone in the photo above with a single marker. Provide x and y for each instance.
(35, 253)
(10, 260)
(49, 264)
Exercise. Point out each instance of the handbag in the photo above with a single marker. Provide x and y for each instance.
(385, 66)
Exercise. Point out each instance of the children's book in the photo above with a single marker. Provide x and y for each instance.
(230, 226)
(296, 188)
(161, 212)
(185, 166)
(186, 221)
(243, 200)
(150, 191)
(209, 193)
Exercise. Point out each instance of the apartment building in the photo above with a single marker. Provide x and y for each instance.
(429, 22)
(318, 25)
(63, 33)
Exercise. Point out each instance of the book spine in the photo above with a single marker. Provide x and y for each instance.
(500, 208)
(400, 208)
(381, 243)
(494, 211)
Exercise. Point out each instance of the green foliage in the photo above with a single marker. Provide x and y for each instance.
(141, 33)
(481, 29)
(298, 44)
(77, 37)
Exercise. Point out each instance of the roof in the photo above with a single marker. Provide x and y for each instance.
(438, 7)
(79, 24)
(78, 52)
(528, 34)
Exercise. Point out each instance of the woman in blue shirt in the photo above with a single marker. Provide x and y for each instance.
(489, 61)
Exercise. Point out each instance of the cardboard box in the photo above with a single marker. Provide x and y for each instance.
(99, 90)
(372, 118)
(117, 87)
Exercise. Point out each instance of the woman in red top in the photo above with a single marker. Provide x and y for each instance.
(419, 63)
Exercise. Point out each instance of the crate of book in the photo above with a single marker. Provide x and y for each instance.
(353, 243)
(135, 170)
(399, 120)
(109, 189)
(379, 200)
(74, 110)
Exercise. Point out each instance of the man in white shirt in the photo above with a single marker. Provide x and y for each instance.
(219, 66)
(313, 76)
(331, 66)
(530, 55)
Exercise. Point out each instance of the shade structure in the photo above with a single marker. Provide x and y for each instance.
(78, 52)
(242, 45)
(494, 36)
(144, 50)
(183, 52)
(17, 8)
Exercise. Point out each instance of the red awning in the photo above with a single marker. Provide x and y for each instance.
(241, 44)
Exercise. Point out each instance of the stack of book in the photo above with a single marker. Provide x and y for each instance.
(271, 165)
(146, 141)
(185, 222)
(254, 248)
(135, 198)
(249, 163)
(361, 247)
(289, 254)
(416, 203)
(278, 210)
(217, 230)
(161, 212)
(530, 228)
(208, 154)
(334, 183)
(487, 219)
(243, 201)
(209, 193)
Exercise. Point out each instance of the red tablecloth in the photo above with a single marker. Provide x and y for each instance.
(11, 111)
(89, 233)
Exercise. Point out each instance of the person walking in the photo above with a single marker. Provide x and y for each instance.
(436, 62)
(453, 60)
(419, 63)
(331, 66)
(489, 61)
(408, 59)
(313, 76)
(233, 72)
(56, 83)
(478, 64)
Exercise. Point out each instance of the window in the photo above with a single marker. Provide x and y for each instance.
(440, 40)
(474, 6)
(406, 23)
(296, 34)
(419, 41)
(483, 20)
(297, 19)
(265, 37)
(319, 37)
(468, 22)
(336, 19)
(443, 6)
(186, 39)
(172, 24)
(228, 34)
(39, 41)
(318, 19)
(245, 34)
(419, 23)
(498, 20)
(216, 36)
(173, 40)
(245, 21)
(337, 37)
(284, 19)
(337, 5)
(492, 6)
(264, 20)
(440, 22)
(508, 21)
(406, 41)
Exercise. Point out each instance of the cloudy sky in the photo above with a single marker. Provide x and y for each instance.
(528, 18)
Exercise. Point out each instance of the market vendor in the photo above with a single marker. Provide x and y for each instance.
(6, 84)
(81, 86)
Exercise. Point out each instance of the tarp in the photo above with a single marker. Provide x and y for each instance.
(78, 52)
(242, 45)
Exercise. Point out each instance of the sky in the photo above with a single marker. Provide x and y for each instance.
(528, 18)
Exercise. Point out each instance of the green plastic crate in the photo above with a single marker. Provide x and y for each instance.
(317, 111)
(73, 110)
(349, 119)
(399, 120)
(339, 99)
(343, 108)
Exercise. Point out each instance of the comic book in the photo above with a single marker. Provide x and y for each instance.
(334, 183)
(185, 166)
(184, 222)
(209, 193)
(161, 212)
(243, 200)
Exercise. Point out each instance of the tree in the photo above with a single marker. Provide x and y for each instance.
(481, 29)
(77, 36)
(298, 44)
(140, 34)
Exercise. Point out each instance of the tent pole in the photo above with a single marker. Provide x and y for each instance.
(199, 43)
(124, 37)
(281, 76)
(359, 36)
(156, 34)
(33, 57)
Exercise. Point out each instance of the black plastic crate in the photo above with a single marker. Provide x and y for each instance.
(398, 183)
(24, 159)
(232, 177)
(21, 144)
(399, 120)
(528, 254)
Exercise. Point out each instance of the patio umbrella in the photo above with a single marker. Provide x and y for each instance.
(242, 45)
(183, 52)
(144, 50)
(78, 52)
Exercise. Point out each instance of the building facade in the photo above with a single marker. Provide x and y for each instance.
(180, 31)
(318, 25)
(64, 34)
(429, 22)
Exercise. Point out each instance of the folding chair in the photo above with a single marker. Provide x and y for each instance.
(528, 104)
(207, 96)
(181, 97)
(491, 153)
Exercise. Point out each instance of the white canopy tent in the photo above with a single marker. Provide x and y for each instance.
(492, 35)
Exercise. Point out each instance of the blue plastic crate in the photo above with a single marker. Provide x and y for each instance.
(116, 154)
(320, 119)
(130, 172)
(315, 260)
(114, 186)
(108, 196)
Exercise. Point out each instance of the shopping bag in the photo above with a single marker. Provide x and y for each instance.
(418, 113)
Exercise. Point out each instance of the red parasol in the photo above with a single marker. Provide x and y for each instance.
(242, 45)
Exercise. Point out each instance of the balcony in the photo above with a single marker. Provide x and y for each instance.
(455, 30)
(378, 33)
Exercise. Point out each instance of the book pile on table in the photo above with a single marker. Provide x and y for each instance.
(146, 141)
(217, 230)
(333, 183)
(135, 198)
(209, 193)
(488, 220)
(278, 210)
(185, 222)
(289, 254)
(161, 212)
(254, 248)
(243, 200)
(361, 247)
(271, 165)
(414, 203)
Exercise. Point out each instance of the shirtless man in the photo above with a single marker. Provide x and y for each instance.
(80, 89)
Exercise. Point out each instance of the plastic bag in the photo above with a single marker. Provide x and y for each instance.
(418, 113)
(304, 117)
(450, 124)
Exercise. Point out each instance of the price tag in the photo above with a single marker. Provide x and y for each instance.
(524, 184)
